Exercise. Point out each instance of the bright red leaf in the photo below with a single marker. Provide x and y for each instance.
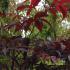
(63, 10)
(53, 10)
(59, 5)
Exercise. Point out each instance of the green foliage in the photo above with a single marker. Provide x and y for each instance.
(4, 5)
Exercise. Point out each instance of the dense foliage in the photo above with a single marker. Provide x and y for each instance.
(43, 46)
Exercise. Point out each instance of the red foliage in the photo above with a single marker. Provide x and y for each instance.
(40, 14)
(18, 27)
(61, 6)
(63, 10)
(33, 3)
(27, 23)
(56, 6)
(52, 10)
(22, 7)
(67, 44)
(39, 25)
(60, 1)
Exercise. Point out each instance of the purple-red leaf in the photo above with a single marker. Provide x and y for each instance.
(40, 14)
(34, 2)
(39, 25)
(22, 7)
(18, 27)
(27, 23)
